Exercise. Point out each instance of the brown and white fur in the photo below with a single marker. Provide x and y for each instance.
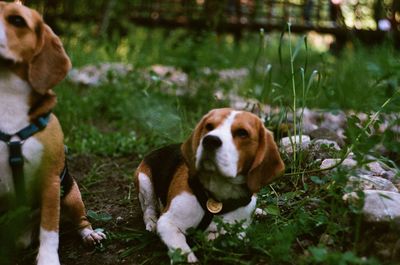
(232, 154)
(32, 62)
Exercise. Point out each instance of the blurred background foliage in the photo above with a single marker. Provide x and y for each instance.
(225, 15)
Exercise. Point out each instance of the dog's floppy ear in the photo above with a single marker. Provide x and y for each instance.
(50, 65)
(189, 147)
(267, 164)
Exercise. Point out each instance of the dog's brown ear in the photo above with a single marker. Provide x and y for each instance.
(51, 64)
(189, 147)
(267, 164)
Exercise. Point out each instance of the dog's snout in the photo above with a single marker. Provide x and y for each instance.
(211, 142)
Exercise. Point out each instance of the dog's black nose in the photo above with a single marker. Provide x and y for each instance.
(211, 142)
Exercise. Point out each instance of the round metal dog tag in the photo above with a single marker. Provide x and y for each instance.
(214, 206)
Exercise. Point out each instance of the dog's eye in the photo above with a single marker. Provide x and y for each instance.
(242, 133)
(209, 127)
(17, 21)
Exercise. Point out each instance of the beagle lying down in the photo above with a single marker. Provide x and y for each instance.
(32, 158)
(217, 171)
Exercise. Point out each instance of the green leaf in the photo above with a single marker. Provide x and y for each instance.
(273, 210)
(299, 44)
(319, 253)
(103, 217)
(317, 180)
(176, 256)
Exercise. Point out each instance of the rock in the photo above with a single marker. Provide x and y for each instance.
(309, 120)
(381, 206)
(376, 168)
(287, 143)
(391, 175)
(170, 74)
(260, 212)
(325, 133)
(311, 150)
(333, 121)
(348, 163)
(366, 182)
(95, 75)
(233, 74)
(323, 149)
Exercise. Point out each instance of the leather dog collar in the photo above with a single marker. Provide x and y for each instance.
(205, 198)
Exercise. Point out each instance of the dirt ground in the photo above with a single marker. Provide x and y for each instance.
(108, 192)
(106, 186)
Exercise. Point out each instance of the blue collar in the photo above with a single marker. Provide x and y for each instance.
(29, 130)
(16, 159)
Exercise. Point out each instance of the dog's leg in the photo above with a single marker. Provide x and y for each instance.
(147, 196)
(148, 201)
(75, 208)
(49, 222)
(183, 213)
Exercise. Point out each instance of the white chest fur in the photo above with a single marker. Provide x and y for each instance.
(14, 107)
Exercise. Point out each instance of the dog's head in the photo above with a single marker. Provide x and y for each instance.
(234, 144)
(26, 41)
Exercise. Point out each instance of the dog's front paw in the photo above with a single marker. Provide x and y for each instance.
(212, 235)
(150, 220)
(92, 237)
(47, 258)
(191, 258)
(151, 226)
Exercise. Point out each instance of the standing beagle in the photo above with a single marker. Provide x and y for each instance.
(217, 171)
(32, 62)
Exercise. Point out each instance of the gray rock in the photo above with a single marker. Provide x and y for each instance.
(325, 133)
(376, 168)
(348, 163)
(95, 75)
(287, 143)
(322, 143)
(170, 74)
(334, 121)
(309, 123)
(381, 206)
(323, 149)
(233, 74)
(366, 182)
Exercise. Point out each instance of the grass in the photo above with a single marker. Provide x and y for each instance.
(344, 82)
(307, 221)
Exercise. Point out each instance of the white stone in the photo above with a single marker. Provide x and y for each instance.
(376, 168)
(334, 121)
(347, 163)
(289, 141)
(309, 122)
(381, 206)
(321, 143)
(260, 212)
(366, 182)
(95, 75)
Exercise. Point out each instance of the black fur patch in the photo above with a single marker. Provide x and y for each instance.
(163, 163)
(66, 181)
